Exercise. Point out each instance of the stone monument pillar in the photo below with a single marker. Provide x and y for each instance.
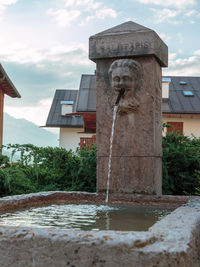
(128, 60)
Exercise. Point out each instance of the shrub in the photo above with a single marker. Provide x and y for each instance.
(181, 165)
(46, 169)
(16, 181)
(86, 173)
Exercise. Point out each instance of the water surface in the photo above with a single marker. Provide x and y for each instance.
(86, 217)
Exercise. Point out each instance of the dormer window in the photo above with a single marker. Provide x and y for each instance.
(188, 93)
(166, 80)
(183, 83)
(66, 107)
(165, 87)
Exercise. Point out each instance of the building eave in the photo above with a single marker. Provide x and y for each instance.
(6, 84)
(181, 115)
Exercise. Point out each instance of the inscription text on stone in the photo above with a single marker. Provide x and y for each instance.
(126, 47)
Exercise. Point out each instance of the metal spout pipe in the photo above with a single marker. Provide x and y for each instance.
(121, 92)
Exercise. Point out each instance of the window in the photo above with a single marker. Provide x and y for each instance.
(183, 83)
(166, 80)
(175, 127)
(188, 93)
(86, 141)
(66, 107)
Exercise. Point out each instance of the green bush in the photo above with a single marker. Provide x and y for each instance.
(181, 165)
(16, 182)
(86, 173)
(49, 169)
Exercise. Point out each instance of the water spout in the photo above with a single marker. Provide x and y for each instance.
(121, 93)
(110, 155)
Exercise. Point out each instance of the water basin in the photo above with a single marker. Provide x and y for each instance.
(86, 217)
(171, 241)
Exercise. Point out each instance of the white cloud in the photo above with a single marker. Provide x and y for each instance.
(165, 37)
(106, 12)
(172, 56)
(100, 14)
(36, 114)
(168, 3)
(69, 3)
(180, 51)
(165, 15)
(85, 10)
(88, 4)
(74, 54)
(192, 13)
(175, 15)
(197, 53)
(4, 4)
(63, 16)
(184, 66)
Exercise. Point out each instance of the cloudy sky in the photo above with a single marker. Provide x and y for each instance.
(44, 43)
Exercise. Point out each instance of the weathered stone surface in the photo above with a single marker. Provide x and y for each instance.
(129, 59)
(173, 241)
(137, 143)
(127, 40)
(130, 174)
(63, 197)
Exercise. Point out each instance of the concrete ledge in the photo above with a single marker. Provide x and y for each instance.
(173, 241)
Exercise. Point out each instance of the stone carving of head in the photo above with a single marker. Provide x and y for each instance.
(125, 76)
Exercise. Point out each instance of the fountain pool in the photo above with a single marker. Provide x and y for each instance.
(86, 217)
(172, 241)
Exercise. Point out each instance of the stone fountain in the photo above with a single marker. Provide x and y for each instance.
(129, 58)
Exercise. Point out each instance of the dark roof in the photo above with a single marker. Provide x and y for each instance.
(85, 100)
(6, 84)
(55, 119)
(87, 94)
(177, 102)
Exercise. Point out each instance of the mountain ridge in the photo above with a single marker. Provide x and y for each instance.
(22, 131)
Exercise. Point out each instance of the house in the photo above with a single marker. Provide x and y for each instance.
(74, 111)
(73, 130)
(8, 88)
(181, 104)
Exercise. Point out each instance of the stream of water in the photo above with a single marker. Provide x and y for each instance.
(110, 155)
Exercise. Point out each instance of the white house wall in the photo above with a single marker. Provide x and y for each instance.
(70, 137)
(165, 90)
(191, 127)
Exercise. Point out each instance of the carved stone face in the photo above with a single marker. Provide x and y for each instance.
(122, 78)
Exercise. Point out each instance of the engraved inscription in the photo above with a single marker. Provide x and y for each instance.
(102, 48)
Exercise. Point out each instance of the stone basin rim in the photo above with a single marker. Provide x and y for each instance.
(73, 197)
(172, 241)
